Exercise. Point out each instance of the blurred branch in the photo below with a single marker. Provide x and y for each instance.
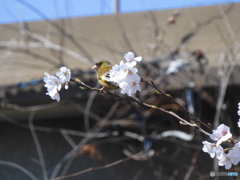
(42, 44)
(186, 38)
(17, 166)
(99, 167)
(67, 138)
(192, 166)
(174, 133)
(194, 118)
(68, 158)
(88, 109)
(27, 52)
(224, 80)
(38, 146)
(97, 128)
(56, 130)
(62, 43)
(59, 28)
(124, 35)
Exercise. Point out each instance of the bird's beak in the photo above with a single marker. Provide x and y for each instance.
(95, 67)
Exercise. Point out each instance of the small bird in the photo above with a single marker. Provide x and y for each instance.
(103, 68)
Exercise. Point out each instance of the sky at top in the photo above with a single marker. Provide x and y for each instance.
(34, 10)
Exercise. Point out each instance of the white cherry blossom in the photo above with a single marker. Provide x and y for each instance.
(125, 75)
(53, 93)
(131, 85)
(227, 160)
(238, 109)
(236, 151)
(238, 114)
(212, 149)
(222, 133)
(219, 150)
(53, 85)
(131, 59)
(209, 148)
(64, 75)
(117, 72)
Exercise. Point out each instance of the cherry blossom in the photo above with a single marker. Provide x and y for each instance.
(125, 75)
(222, 133)
(236, 151)
(64, 75)
(131, 85)
(131, 59)
(53, 85)
(227, 160)
(219, 150)
(53, 93)
(212, 149)
(238, 114)
(238, 109)
(209, 148)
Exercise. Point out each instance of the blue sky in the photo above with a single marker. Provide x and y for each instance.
(23, 10)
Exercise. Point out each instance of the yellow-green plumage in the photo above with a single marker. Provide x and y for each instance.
(103, 68)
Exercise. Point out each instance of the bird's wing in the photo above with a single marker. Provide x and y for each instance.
(105, 76)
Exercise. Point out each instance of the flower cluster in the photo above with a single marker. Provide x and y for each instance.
(125, 75)
(54, 83)
(238, 114)
(221, 134)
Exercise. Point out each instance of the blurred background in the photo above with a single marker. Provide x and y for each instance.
(190, 50)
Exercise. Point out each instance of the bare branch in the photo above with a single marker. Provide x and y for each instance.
(17, 166)
(59, 28)
(38, 146)
(99, 167)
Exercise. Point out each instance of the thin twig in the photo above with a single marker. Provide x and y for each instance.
(194, 118)
(192, 166)
(37, 144)
(17, 166)
(56, 130)
(88, 109)
(67, 138)
(124, 34)
(59, 28)
(97, 128)
(99, 167)
(71, 154)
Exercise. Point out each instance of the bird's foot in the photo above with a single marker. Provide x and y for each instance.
(101, 90)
